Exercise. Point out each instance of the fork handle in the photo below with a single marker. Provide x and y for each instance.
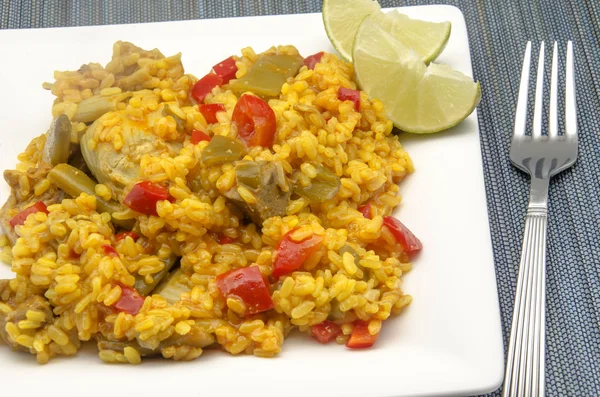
(526, 351)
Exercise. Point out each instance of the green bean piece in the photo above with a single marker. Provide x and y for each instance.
(267, 75)
(322, 188)
(58, 143)
(352, 251)
(90, 109)
(74, 182)
(167, 111)
(143, 287)
(336, 314)
(222, 150)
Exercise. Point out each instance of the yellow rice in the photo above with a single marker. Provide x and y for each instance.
(59, 258)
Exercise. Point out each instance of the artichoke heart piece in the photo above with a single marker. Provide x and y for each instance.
(117, 168)
(267, 184)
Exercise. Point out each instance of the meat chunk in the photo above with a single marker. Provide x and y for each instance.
(18, 200)
(19, 313)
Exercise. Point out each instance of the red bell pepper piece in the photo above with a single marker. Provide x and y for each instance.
(204, 86)
(292, 254)
(360, 337)
(312, 60)
(209, 111)
(199, 136)
(120, 236)
(409, 242)
(130, 301)
(326, 331)
(347, 94)
(110, 250)
(255, 121)
(20, 218)
(366, 210)
(144, 196)
(248, 285)
(226, 69)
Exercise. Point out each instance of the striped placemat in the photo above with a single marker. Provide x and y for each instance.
(498, 31)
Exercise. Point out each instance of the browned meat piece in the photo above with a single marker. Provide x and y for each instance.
(17, 201)
(197, 337)
(34, 302)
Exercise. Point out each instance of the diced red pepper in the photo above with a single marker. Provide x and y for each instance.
(326, 331)
(209, 111)
(120, 236)
(347, 94)
(199, 136)
(248, 285)
(226, 69)
(409, 242)
(312, 60)
(292, 254)
(205, 85)
(255, 121)
(20, 218)
(144, 196)
(110, 250)
(226, 240)
(130, 301)
(366, 210)
(360, 337)
(74, 255)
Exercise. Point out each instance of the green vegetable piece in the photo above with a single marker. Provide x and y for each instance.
(352, 251)
(336, 314)
(143, 287)
(267, 75)
(92, 108)
(173, 286)
(167, 111)
(322, 188)
(271, 192)
(74, 182)
(248, 173)
(58, 143)
(222, 150)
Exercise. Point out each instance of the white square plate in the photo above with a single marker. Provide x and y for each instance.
(448, 342)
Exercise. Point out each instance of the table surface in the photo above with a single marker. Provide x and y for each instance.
(498, 31)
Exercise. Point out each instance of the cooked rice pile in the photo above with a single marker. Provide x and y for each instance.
(65, 285)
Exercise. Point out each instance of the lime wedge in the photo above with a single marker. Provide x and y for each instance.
(427, 39)
(342, 18)
(418, 98)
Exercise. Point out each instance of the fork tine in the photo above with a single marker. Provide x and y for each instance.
(539, 92)
(570, 106)
(553, 117)
(521, 113)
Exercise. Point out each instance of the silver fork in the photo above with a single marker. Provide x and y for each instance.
(541, 157)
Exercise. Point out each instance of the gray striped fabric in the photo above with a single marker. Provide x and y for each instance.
(498, 31)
